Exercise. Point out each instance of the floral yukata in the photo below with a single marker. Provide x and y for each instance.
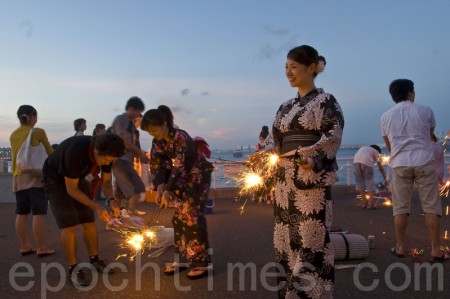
(313, 126)
(177, 164)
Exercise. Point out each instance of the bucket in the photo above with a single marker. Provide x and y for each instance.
(209, 205)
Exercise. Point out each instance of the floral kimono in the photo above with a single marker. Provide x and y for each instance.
(309, 126)
(177, 164)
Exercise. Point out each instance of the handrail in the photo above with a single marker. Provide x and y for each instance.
(348, 165)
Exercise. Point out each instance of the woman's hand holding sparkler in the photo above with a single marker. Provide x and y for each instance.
(307, 164)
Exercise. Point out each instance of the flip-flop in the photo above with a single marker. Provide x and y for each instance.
(394, 253)
(28, 251)
(175, 267)
(204, 271)
(439, 259)
(42, 253)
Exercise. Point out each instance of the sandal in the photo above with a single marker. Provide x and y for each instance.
(42, 253)
(439, 259)
(394, 253)
(201, 272)
(175, 267)
(28, 251)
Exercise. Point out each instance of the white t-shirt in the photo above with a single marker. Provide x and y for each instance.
(407, 125)
(366, 155)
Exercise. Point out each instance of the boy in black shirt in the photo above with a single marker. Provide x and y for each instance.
(71, 178)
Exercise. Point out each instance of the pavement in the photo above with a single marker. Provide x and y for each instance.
(242, 251)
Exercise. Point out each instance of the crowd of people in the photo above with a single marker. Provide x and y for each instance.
(306, 133)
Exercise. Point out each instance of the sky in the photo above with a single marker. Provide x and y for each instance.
(219, 65)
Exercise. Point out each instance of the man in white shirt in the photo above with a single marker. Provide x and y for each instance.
(407, 128)
(363, 162)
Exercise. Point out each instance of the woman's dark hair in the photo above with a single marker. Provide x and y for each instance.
(77, 123)
(109, 145)
(434, 138)
(264, 132)
(156, 117)
(305, 55)
(24, 112)
(169, 115)
(135, 103)
(378, 149)
(97, 128)
(400, 88)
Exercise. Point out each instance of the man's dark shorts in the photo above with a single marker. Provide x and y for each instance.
(68, 211)
(31, 200)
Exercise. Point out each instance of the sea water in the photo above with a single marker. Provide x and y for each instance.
(344, 159)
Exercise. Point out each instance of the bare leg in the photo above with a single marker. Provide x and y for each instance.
(133, 201)
(39, 231)
(90, 237)
(69, 243)
(400, 223)
(22, 231)
(432, 222)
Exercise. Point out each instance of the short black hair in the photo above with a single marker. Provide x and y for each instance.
(376, 147)
(400, 88)
(135, 103)
(97, 128)
(77, 123)
(109, 145)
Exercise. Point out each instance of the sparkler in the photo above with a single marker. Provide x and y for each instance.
(385, 159)
(387, 202)
(445, 189)
(261, 170)
(137, 240)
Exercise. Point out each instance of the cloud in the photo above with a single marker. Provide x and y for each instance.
(185, 92)
(27, 27)
(202, 121)
(204, 94)
(276, 31)
(267, 51)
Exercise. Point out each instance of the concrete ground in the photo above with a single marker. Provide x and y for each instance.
(240, 242)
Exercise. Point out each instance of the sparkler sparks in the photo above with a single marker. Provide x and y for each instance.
(137, 241)
(261, 170)
(385, 159)
(387, 202)
(445, 189)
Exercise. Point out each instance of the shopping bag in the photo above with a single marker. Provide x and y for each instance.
(30, 157)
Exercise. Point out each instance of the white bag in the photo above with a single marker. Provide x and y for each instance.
(30, 157)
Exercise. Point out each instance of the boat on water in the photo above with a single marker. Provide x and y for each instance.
(237, 153)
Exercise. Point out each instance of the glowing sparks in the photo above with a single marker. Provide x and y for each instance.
(446, 211)
(387, 203)
(273, 159)
(385, 159)
(261, 167)
(446, 235)
(136, 241)
(445, 189)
